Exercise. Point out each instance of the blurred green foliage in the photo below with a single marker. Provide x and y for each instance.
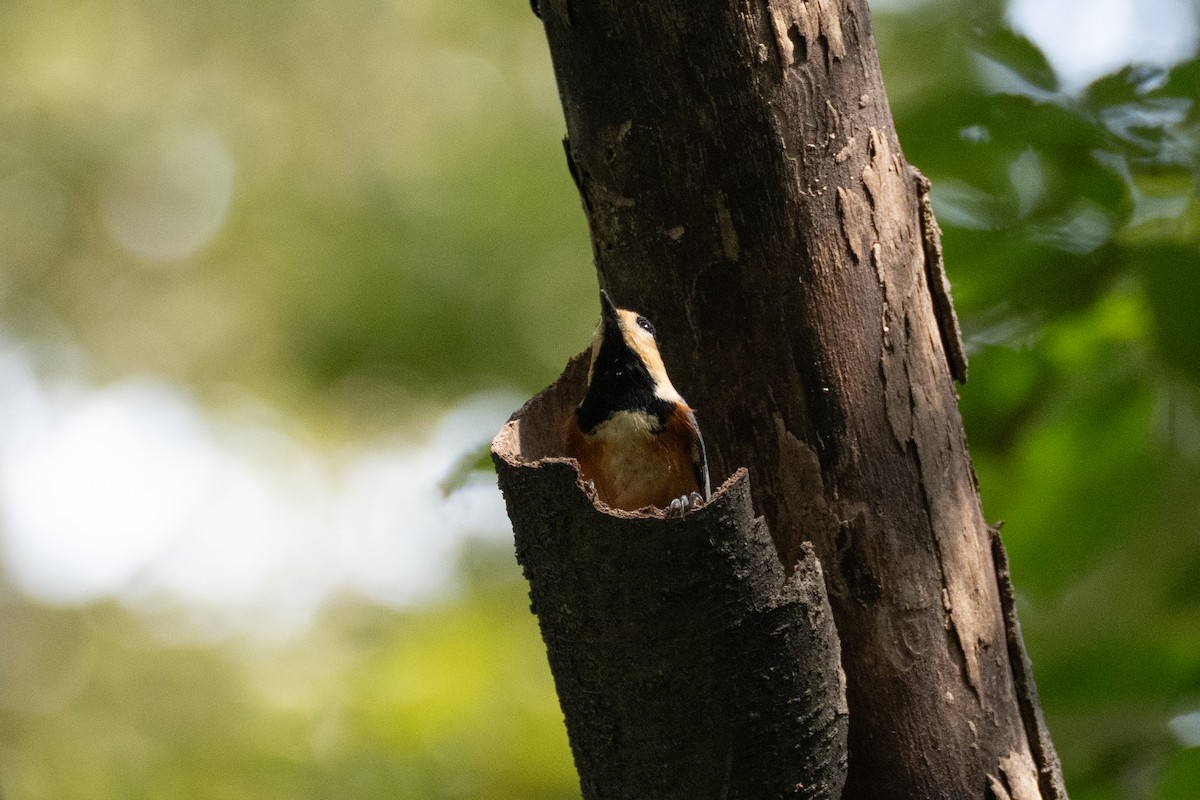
(450, 702)
(401, 230)
(1071, 229)
(398, 200)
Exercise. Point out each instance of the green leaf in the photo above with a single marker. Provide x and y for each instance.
(1017, 53)
(1172, 282)
(1181, 777)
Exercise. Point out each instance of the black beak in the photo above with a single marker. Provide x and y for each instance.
(608, 314)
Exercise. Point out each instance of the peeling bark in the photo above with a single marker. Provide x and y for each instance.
(939, 284)
(745, 189)
(1049, 770)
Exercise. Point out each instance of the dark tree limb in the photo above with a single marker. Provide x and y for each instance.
(745, 189)
(1050, 778)
(687, 663)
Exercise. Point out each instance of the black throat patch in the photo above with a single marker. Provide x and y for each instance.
(620, 382)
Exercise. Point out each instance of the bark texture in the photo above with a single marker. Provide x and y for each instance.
(746, 191)
(688, 664)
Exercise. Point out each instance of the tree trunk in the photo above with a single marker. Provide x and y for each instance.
(746, 191)
(688, 665)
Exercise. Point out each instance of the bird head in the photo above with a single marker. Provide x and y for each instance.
(626, 372)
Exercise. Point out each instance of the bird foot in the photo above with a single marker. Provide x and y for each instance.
(680, 506)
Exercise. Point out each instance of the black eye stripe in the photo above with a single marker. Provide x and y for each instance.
(645, 325)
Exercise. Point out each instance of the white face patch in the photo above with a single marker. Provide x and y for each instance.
(597, 340)
(643, 345)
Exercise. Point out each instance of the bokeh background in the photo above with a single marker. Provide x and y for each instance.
(273, 273)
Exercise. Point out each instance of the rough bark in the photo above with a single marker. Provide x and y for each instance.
(688, 664)
(745, 190)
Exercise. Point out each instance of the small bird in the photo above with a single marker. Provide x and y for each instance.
(636, 440)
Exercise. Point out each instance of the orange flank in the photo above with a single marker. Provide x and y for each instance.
(634, 461)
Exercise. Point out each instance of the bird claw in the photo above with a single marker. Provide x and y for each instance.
(680, 506)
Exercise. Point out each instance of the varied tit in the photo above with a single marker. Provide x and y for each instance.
(634, 437)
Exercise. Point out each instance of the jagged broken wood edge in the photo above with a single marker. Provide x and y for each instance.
(1049, 767)
(939, 283)
(688, 662)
